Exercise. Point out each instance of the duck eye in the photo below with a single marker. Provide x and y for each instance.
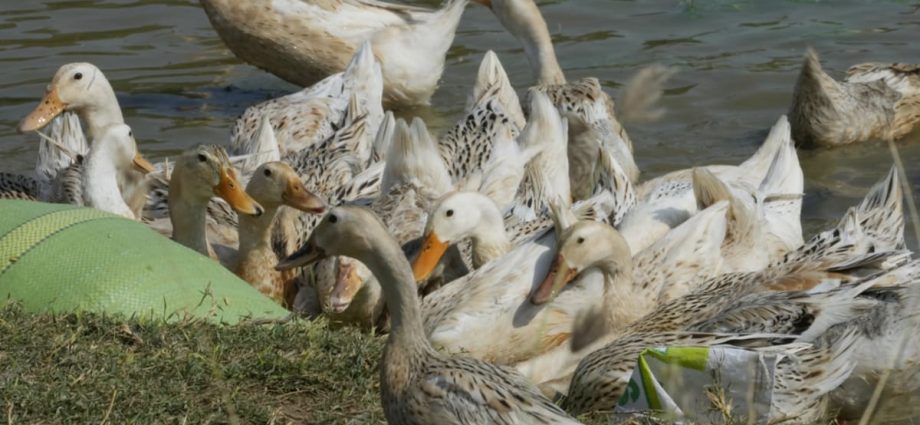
(333, 218)
(202, 158)
(450, 213)
(78, 76)
(581, 240)
(130, 134)
(267, 172)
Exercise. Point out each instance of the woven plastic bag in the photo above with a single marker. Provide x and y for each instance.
(63, 258)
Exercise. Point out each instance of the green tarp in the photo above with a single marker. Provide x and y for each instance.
(64, 258)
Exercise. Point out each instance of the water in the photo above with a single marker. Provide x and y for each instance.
(738, 61)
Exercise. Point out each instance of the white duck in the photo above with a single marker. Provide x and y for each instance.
(306, 41)
(114, 151)
(82, 88)
(666, 201)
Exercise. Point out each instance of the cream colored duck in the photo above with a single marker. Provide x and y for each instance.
(589, 109)
(632, 285)
(305, 41)
(273, 185)
(419, 385)
(82, 88)
(869, 236)
(874, 102)
(201, 173)
(312, 115)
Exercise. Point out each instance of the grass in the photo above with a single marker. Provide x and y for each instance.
(89, 368)
(86, 368)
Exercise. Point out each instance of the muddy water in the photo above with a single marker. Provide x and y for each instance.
(738, 60)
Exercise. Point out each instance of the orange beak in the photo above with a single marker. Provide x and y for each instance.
(142, 164)
(230, 190)
(427, 260)
(559, 276)
(50, 107)
(297, 196)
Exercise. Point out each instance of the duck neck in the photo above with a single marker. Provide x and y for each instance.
(255, 233)
(624, 301)
(188, 214)
(490, 240)
(102, 112)
(389, 265)
(529, 27)
(100, 185)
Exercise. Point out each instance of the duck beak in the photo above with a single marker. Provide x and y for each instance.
(297, 196)
(427, 260)
(50, 107)
(231, 191)
(559, 276)
(142, 164)
(304, 256)
(347, 284)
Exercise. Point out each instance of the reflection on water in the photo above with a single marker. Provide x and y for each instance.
(738, 60)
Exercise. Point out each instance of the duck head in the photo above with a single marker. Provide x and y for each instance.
(582, 246)
(75, 87)
(275, 183)
(205, 171)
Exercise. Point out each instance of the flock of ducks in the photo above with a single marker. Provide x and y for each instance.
(541, 265)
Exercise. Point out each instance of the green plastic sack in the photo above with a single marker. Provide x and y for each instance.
(63, 258)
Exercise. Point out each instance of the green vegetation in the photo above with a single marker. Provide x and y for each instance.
(88, 368)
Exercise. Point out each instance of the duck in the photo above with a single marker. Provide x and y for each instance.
(82, 88)
(869, 237)
(763, 227)
(419, 385)
(511, 191)
(312, 115)
(273, 185)
(413, 178)
(199, 174)
(666, 201)
(876, 101)
(303, 42)
(589, 109)
(631, 285)
(803, 377)
(57, 169)
(114, 150)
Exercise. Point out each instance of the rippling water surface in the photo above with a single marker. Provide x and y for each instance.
(738, 61)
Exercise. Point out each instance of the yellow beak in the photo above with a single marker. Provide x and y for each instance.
(50, 107)
(142, 164)
(560, 274)
(230, 190)
(427, 260)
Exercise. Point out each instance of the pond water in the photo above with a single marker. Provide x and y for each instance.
(737, 62)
